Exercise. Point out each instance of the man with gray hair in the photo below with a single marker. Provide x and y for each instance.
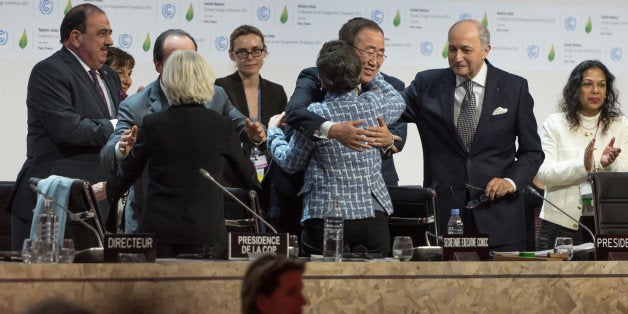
(470, 117)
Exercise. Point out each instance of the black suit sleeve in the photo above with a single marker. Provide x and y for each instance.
(398, 128)
(239, 162)
(307, 90)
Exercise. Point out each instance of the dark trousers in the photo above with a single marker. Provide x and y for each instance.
(20, 230)
(549, 232)
(370, 232)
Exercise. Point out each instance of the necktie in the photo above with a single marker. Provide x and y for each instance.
(466, 119)
(94, 76)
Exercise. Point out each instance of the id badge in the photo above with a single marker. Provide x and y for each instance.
(259, 163)
(586, 195)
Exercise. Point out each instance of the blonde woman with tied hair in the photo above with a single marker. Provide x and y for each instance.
(188, 78)
(184, 209)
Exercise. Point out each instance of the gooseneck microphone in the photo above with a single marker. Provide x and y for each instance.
(537, 194)
(209, 176)
(76, 217)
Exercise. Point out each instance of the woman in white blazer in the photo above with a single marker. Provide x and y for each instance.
(586, 136)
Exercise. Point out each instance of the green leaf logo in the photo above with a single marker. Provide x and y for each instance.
(552, 54)
(446, 51)
(589, 26)
(146, 45)
(284, 15)
(397, 19)
(23, 40)
(485, 21)
(68, 7)
(190, 14)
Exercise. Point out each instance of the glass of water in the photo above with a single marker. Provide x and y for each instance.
(564, 245)
(402, 248)
(293, 246)
(27, 251)
(66, 252)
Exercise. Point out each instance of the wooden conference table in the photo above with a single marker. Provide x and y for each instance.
(349, 287)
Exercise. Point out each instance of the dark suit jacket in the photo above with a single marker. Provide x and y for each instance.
(183, 207)
(308, 90)
(273, 96)
(447, 165)
(68, 123)
(273, 102)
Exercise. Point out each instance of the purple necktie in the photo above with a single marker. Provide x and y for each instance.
(94, 76)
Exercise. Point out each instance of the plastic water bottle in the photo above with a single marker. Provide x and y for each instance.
(455, 225)
(333, 233)
(48, 232)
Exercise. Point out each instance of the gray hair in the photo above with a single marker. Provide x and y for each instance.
(188, 78)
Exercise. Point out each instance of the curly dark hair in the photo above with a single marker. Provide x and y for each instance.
(570, 104)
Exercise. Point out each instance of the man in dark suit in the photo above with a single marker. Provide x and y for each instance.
(72, 100)
(152, 99)
(469, 133)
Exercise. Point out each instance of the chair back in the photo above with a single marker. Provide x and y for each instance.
(414, 213)
(610, 198)
(237, 218)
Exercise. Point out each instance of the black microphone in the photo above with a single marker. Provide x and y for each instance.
(72, 215)
(209, 176)
(535, 193)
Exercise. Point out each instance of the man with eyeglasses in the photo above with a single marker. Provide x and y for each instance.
(479, 137)
(152, 99)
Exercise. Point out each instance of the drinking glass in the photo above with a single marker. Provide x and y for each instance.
(564, 245)
(66, 252)
(402, 248)
(26, 251)
(293, 246)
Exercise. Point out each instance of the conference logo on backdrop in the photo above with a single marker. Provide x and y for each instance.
(284, 15)
(146, 44)
(377, 16)
(426, 48)
(263, 13)
(4, 37)
(465, 16)
(570, 23)
(397, 19)
(616, 54)
(189, 15)
(168, 10)
(222, 43)
(533, 51)
(46, 6)
(125, 40)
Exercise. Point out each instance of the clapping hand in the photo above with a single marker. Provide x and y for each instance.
(610, 153)
(127, 140)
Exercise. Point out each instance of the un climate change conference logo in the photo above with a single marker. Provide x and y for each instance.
(426, 48)
(263, 13)
(533, 51)
(168, 10)
(616, 53)
(377, 16)
(125, 40)
(45, 6)
(222, 43)
(465, 16)
(570, 23)
(4, 37)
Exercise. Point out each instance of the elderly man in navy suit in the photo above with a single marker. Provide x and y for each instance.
(72, 98)
(470, 117)
(152, 99)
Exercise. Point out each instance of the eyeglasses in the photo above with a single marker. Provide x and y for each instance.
(480, 200)
(243, 54)
(372, 55)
